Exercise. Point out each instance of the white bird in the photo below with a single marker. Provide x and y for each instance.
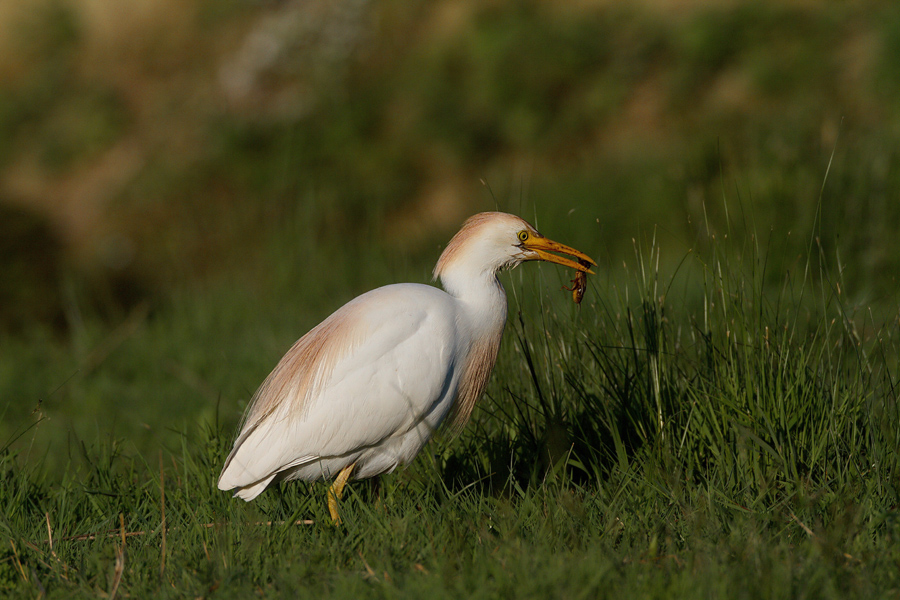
(364, 390)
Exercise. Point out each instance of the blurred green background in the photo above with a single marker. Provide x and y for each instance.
(186, 186)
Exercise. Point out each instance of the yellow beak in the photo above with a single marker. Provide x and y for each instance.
(542, 247)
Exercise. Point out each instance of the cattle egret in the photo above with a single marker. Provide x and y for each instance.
(364, 390)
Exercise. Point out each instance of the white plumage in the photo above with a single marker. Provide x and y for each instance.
(364, 390)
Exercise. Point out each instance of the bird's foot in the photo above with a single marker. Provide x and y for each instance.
(336, 491)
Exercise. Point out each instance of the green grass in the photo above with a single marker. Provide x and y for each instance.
(718, 419)
(726, 428)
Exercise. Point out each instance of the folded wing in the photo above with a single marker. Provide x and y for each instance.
(372, 370)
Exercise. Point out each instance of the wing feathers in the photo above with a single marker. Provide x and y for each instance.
(369, 371)
(285, 393)
(305, 368)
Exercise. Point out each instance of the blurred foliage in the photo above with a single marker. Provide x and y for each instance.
(30, 280)
(602, 121)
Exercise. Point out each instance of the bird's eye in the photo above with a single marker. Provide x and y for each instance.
(523, 235)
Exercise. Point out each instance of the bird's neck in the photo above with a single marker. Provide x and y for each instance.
(482, 297)
(482, 302)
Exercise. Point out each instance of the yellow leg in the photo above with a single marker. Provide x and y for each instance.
(336, 491)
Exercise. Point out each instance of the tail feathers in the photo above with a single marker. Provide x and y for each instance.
(245, 483)
(249, 492)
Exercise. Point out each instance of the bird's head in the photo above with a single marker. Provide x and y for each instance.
(491, 241)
